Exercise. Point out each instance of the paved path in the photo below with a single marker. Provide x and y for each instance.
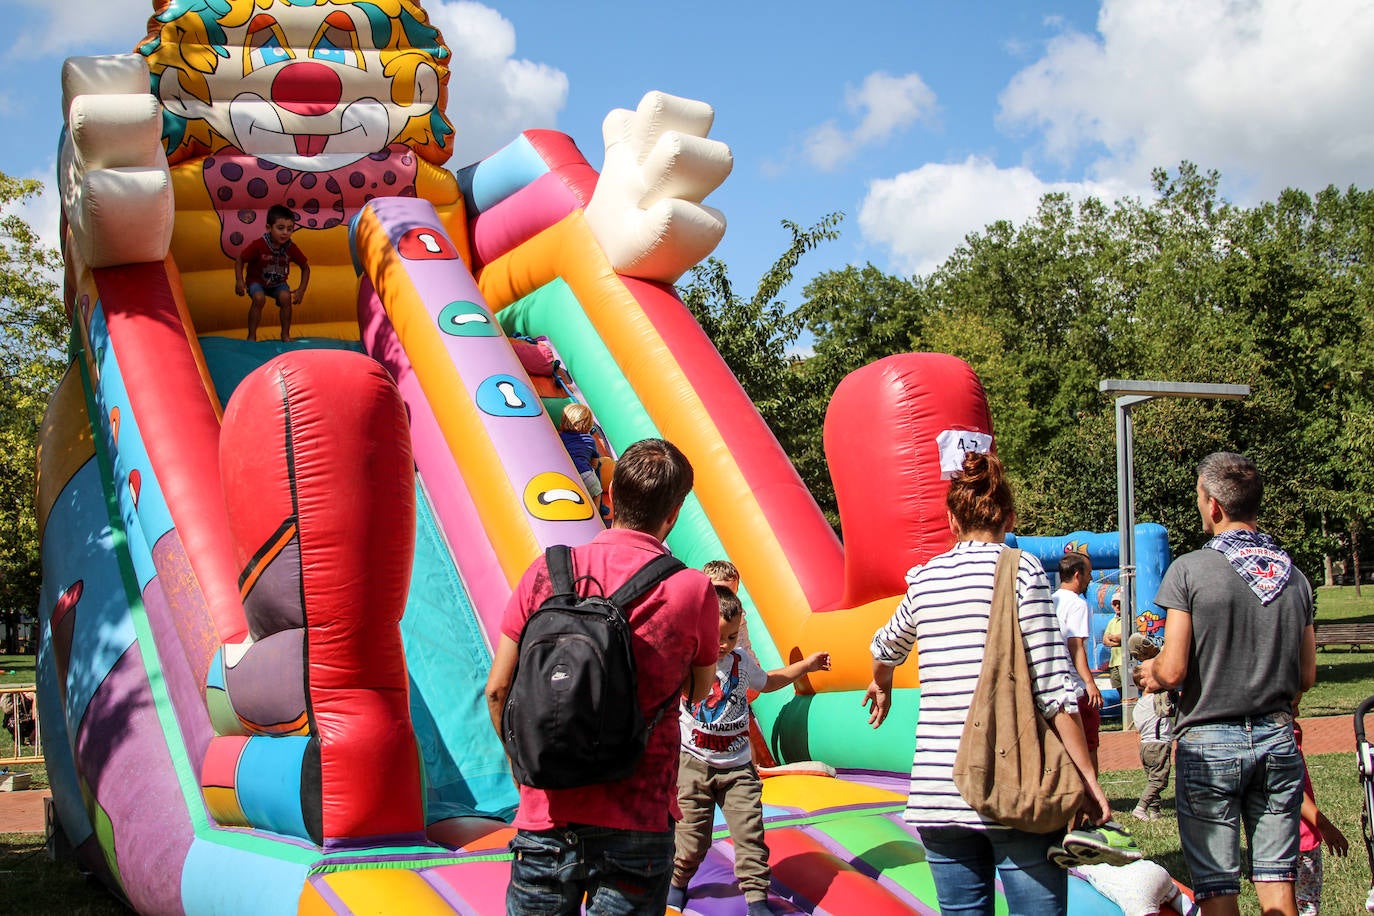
(22, 812)
(1327, 735)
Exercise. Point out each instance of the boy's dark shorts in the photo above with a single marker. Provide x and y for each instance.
(1092, 723)
(271, 291)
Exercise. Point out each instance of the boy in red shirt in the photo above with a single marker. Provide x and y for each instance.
(262, 268)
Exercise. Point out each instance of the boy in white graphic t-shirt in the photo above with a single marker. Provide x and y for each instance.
(717, 767)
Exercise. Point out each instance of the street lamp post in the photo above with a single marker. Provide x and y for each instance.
(1131, 392)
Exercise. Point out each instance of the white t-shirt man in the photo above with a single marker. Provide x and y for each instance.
(1074, 621)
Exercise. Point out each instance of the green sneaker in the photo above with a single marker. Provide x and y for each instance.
(1103, 844)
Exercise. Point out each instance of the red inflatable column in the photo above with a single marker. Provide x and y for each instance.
(318, 441)
(884, 430)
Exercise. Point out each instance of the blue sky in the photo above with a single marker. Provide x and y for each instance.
(920, 121)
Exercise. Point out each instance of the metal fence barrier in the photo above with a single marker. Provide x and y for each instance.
(19, 716)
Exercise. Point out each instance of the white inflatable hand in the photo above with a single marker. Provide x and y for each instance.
(112, 171)
(646, 211)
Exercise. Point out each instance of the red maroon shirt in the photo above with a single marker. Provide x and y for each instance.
(267, 264)
(674, 627)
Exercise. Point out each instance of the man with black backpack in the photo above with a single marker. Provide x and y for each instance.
(610, 841)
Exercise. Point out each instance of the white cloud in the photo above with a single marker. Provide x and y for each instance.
(51, 28)
(1272, 93)
(492, 95)
(921, 216)
(884, 105)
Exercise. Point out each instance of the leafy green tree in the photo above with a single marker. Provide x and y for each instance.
(32, 326)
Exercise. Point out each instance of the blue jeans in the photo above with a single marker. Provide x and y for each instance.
(1243, 773)
(964, 863)
(621, 872)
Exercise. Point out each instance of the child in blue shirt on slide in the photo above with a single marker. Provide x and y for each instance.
(576, 433)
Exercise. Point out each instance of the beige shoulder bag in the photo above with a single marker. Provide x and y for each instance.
(1011, 766)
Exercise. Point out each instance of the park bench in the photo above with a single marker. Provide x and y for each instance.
(1344, 634)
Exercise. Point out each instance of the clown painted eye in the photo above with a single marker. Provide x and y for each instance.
(328, 50)
(337, 41)
(266, 45)
(271, 53)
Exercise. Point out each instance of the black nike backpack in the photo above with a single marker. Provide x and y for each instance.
(572, 715)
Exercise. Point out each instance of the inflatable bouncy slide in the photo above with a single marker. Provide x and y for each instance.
(274, 570)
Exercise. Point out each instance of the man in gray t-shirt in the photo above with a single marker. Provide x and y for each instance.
(1239, 642)
(1244, 659)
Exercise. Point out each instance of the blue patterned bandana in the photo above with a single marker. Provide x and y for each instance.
(1256, 558)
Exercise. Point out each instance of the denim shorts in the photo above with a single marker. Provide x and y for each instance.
(272, 291)
(1242, 773)
(621, 872)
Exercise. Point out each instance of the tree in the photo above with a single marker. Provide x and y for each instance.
(32, 325)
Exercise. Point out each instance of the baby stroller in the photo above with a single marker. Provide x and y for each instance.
(1365, 755)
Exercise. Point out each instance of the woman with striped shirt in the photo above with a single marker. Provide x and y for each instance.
(946, 611)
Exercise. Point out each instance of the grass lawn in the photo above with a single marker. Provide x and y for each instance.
(1344, 678)
(17, 669)
(47, 888)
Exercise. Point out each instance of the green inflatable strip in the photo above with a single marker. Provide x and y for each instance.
(554, 408)
(260, 844)
(331, 868)
(834, 727)
(553, 311)
(888, 849)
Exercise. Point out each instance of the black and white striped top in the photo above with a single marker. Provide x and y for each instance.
(946, 611)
